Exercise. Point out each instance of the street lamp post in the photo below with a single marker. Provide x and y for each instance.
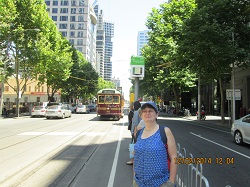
(233, 82)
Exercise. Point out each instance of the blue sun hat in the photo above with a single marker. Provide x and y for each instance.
(150, 104)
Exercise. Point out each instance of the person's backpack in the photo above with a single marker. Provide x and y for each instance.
(163, 138)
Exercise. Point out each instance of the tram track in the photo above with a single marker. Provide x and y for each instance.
(25, 175)
(41, 128)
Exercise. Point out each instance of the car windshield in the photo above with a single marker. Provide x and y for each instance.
(38, 107)
(82, 106)
(53, 107)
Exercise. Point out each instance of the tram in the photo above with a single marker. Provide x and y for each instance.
(110, 104)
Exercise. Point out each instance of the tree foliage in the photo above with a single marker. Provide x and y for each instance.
(83, 80)
(215, 39)
(161, 54)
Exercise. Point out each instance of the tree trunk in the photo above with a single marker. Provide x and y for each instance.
(222, 111)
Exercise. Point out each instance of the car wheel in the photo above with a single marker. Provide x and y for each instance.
(47, 117)
(238, 138)
(63, 116)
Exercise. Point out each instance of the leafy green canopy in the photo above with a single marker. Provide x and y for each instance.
(161, 54)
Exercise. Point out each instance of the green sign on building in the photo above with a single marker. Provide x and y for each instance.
(137, 60)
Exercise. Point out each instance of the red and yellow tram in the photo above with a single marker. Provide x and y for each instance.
(110, 104)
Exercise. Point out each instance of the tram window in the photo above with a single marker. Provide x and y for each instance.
(101, 99)
(116, 99)
(108, 99)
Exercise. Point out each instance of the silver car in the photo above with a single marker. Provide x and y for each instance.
(82, 109)
(241, 130)
(58, 111)
(38, 111)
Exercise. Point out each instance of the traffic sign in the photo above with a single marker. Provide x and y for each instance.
(236, 92)
(137, 60)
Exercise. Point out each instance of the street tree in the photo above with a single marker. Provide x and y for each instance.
(22, 44)
(214, 39)
(161, 54)
(83, 80)
(102, 84)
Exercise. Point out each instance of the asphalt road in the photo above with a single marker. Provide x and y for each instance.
(84, 152)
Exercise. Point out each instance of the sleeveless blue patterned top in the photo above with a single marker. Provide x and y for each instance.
(150, 161)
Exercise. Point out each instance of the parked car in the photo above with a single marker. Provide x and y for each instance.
(38, 111)
(53, 103)
(92, 107)
(58, 111)
(82, 109)
(241, 130)
(73, 109)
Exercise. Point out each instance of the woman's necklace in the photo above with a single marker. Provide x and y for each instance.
(151, 128)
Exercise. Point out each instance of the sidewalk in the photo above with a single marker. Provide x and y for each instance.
(211, 120)
(13, 116)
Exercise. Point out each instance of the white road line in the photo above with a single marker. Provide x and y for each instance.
(220, 145)
(62, 133)
(114, 166)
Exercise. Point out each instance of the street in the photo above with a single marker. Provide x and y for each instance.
(83, 151)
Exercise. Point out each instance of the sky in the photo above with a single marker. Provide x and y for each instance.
(129, 17)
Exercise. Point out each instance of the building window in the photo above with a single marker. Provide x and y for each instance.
(73, 3)
(80, 18)
(48, 10)
(80, 26)
(64, 33)
(63, 18)
(55, 2)
(63, 26)
(72, 18)
(81, 2)
(38, 99)
(54, 10)
(80, 34)
(81, 10)
(64, 3)
(79, 49)
(47, 3)
(72, 26)
(54, 18)
(72, 34)
(64, 10)
(73, 10)
(80, 42)
(72, 41)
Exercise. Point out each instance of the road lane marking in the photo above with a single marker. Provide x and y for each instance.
(114, 165)
(62, 133)
(198, 135)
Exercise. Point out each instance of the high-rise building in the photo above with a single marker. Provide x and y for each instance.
(142, 39)
(100, 41)
(109, 34)
(76, 20)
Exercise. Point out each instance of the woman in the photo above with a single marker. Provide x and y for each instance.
(135, 121)
(150, 159)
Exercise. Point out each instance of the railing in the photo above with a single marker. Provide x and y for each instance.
(189, 174)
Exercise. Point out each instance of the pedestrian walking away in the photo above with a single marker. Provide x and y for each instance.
(151, 157)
